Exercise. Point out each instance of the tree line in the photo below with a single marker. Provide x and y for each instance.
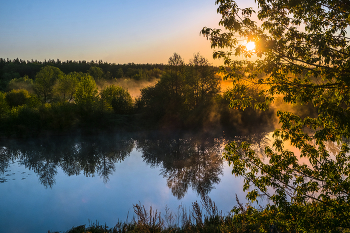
(185, 96)
(17, 68)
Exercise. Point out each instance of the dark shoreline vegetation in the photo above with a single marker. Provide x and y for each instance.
(54, 97)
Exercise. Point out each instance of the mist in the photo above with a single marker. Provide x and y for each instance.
(133, 86)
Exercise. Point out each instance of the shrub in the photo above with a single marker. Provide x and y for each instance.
(117, 98)
(16, 98)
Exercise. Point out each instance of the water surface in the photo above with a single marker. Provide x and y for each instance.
(57, 183)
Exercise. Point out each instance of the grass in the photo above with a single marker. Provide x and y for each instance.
(201, 217)
(204, 217)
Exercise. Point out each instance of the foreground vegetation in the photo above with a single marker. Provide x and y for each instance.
(204, 217)
(303, 48)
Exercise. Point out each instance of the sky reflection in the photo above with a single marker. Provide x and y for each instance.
(29, 205)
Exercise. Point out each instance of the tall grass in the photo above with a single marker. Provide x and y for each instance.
(204, 217)
(200, 217)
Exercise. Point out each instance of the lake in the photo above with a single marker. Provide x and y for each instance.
(59, 182)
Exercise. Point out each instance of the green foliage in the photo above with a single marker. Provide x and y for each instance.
(33, 101)
(86, 93)
(61, 116)
(4, 107)
(45, 80)
(165, 101)
(155, 73)
(96, 72)
(201, 81)
(176, 60)
(53, 88)
(117, 98)
(22, 121)
(21, 83)
(16, 98)
(67, 84)
(120, 73)
(183, 93)
(6, 78)
(311, 217)
(16, 68)
(245, 121)
(206, 218)
(303, 49)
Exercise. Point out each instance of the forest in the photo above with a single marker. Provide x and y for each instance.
(54, 97)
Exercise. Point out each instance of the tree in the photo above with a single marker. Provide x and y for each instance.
(202, 82)
(45, 80)
(96, 72)
(176, 60)
(117, 98)
(67, 85)
(120, 73)
(183, 93)
(303, 49)
(175, 73)
(16, 98)
(21, 83)
(6, 77)
(86, 93)
(4, 107)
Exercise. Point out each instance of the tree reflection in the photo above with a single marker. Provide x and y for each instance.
(185, 162)
(7, 155)
(47, 172)
(90, 155)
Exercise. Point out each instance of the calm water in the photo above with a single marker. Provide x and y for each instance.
(57, 183)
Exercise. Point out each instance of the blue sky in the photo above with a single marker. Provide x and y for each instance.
(114, 31)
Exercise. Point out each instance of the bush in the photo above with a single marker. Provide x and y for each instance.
(16, 98)
(58, 116)
(21, 121)
(4, 107)
(118, 99)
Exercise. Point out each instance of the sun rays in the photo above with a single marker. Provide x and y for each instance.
(250, 46)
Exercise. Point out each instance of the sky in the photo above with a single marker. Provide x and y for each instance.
(113, 31)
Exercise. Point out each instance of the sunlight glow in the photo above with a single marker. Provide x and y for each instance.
(250, 46)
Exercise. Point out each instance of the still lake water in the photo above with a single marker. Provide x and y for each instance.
(57, 183)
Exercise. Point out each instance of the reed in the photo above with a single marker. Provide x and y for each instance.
(202, 216)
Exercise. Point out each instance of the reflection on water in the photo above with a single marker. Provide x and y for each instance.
(185, 161)
(90, 156)
(187, 164)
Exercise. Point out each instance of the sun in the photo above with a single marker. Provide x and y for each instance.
(250, 46)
